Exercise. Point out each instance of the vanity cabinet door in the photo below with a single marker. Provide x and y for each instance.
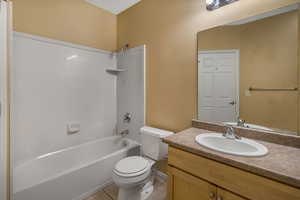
(246, 184)
(225, 195)
(185, 186)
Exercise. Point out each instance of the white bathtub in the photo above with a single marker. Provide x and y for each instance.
(73, 173)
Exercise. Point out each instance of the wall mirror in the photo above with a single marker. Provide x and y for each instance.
(248, 72)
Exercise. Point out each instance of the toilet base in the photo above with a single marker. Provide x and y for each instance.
(136, 193)
(147, 190)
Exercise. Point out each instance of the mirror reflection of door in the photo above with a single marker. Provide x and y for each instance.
(250, 69)
(218, 85)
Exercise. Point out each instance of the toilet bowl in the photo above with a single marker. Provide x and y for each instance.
(133, 175)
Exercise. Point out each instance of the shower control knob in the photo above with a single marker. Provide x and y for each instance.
(127, 118)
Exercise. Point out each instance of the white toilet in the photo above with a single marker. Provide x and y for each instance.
(133, 175)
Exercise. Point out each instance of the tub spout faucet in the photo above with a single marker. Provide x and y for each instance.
(124, 133)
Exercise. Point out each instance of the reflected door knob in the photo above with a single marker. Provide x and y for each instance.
(232, 103)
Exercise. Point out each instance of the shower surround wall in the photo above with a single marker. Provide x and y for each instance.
(55, 83)
(131, 90)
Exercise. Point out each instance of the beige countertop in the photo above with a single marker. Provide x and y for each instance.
(282, 163)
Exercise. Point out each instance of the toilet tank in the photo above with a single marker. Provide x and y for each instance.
(152, 144)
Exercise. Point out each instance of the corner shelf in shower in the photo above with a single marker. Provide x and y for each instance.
(115, 71)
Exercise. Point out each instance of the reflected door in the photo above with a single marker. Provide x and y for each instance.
(218, 98)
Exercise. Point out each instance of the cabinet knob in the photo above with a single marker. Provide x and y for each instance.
(212, 195)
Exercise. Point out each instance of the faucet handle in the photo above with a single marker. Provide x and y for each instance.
(241, 122)
(229, 129)
(229, 132)
(127, 118)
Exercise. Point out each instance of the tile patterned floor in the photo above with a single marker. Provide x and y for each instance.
(111, 192)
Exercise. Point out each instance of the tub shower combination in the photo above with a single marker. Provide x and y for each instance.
(72, 173)
(58, 85)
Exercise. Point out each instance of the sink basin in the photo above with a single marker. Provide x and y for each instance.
(239, 147)
(250, 126)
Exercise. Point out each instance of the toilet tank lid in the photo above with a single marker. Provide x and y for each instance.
(156, 132)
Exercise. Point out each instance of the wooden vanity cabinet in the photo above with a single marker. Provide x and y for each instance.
(192, 177)
(189, 187)
(185, 186)
(225, 195)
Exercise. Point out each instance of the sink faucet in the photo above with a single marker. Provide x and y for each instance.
(241, 122)
(230, 133)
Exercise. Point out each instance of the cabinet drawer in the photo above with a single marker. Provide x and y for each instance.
(238, 181)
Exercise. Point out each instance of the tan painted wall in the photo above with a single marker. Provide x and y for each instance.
(220, 38)
(169, 29)
(268, 59)
(73, 21)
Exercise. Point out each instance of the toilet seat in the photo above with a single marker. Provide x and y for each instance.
(132, 166)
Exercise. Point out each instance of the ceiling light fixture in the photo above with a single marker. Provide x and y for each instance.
(214, 4)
